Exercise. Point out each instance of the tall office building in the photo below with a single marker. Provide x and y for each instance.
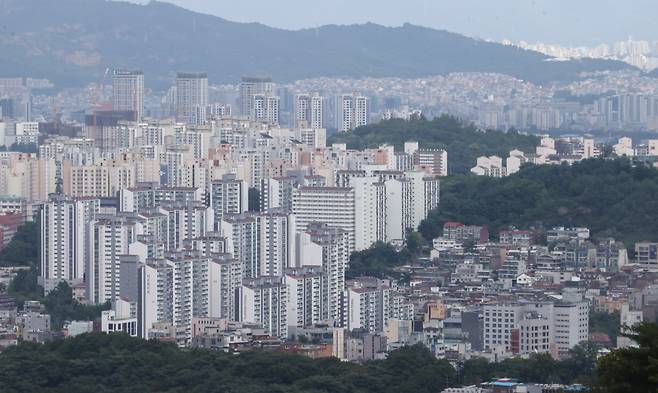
(352, 111)
(191, 96)
(128, 92)
(309, 111)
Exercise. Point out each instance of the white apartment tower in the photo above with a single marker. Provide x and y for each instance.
(309, 111)
(330, 205)
(276, 233)
(110, 238)
(191, 94)
(243, 231)
(263, 301)
(64, 239)
(307, 303)
(265, 109)
(334, 246)
(249, 88)
(367, 301)
(186, 221)
(228, 195)
(370, 211)
(128, 92)
(352, 111)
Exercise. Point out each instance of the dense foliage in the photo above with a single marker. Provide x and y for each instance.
(380, 260)
(579, 367)
(24, 286)
(62, 307)
(464, 142)
(59, 303)
(603, 322)
(610, 197)
(23, 250)
(117, 363)
(632, 369)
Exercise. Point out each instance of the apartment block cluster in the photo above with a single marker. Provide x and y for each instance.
(565, 149)
(259, 99)
(228, 218)
(514, 297)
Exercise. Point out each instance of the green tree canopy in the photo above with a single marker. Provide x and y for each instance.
(117, 363)
(632, 369)
(610, 197)
(23, 250)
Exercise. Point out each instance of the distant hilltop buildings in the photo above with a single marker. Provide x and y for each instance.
(639, 53)
(550, 151)
(566, 149)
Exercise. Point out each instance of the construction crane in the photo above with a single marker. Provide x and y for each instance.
(94, 104)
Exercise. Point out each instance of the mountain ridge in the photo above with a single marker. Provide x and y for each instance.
(73, 41)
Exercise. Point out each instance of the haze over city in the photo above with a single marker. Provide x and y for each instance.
(328, 196)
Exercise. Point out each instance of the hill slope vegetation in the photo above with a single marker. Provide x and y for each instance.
(610, 197)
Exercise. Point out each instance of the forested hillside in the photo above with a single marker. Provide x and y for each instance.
(611, 197)
(117, 363)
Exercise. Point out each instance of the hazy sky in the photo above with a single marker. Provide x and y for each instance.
(552, 21)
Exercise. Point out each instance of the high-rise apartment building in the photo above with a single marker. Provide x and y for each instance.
(370, 211)
(191, 96)
(265, 109)
(366, 304)
(309, 111)
(228, 195)
(186, 221)
(243, 231)
(276, 233)
(352, 111)
(251, 87)
(264, 300)
(110, 238)
(128, 92)
(435, 161)
(64, 239)
(329, 205)
(332, 247)
(307, 302)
